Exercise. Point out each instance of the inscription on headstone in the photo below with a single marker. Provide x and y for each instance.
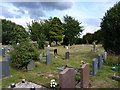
(67, 78)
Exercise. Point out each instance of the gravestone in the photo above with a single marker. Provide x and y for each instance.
(67, 55)
(0, 51)
(55, 51)
(94, 66)
(47, 52)
(104, 56)
(49, 59)
(31, 65)
(66, 47)
(7, 57)
(100, 61)
(3, 51)
(94, 47)
(40, 56)
(84, 76)
(4, 71)
(67, 78)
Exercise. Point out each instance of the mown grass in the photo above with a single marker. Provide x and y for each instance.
(43, 73)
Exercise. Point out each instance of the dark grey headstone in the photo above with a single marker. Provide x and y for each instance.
(94, 66)
(31, 65)
(100, 61)
(4, 69)
(3, 51)
(55, 51)
(49, 59)
(67, 55)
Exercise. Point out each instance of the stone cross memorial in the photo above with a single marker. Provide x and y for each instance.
(49, 59)
(100, 61)
(94, 66)
(67, 55)
(67, 78)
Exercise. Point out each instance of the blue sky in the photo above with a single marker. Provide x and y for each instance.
(88, 13)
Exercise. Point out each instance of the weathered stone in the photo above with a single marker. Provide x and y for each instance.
(94, 66)
(84, 76)
(4, 71)
(100, 61)
(49, 59)
(55, 51)
(67, 78)
(104, 56)
(67, 55)
(31, 65)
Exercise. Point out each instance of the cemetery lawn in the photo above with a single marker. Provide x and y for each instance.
(43, 73)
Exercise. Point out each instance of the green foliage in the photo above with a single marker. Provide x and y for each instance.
(23, 54)
(72, 29)
(88, 38)
(19, 34)
(36, 30)
(56, 30)
(110, 27)
(7, 27)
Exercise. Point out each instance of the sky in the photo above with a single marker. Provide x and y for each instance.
(88, 12)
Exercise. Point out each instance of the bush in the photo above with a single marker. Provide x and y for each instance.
(110, 27)
(23, 54)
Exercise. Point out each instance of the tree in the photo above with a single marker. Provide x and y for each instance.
(88, 38)
(56, 30)
(72, 29)
(23, 53)
(7, 27)
(19, 34)
(110, 27)
(37, 33)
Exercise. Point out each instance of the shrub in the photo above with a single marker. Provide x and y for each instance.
(23, 54)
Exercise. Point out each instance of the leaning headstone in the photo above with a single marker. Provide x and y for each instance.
(104, 56)
(84, 76)
(55, 51)
(94, 66)
(67, 55)
(100, 61)
(67, 78)
(31, 65)
(3, 51)
(4, 72)
(49, 59)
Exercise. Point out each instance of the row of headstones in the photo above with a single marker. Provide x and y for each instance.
(67, 77)
(97, 63)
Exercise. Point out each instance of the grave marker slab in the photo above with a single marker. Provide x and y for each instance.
(67, 55)
(47, 52)
(4, 72)
(85, 76)
(104, 56)
(3, 51)
(67, 78)
(31, 65)
(49, 59)
(100, 61)
(55, 51)
(94, 66)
